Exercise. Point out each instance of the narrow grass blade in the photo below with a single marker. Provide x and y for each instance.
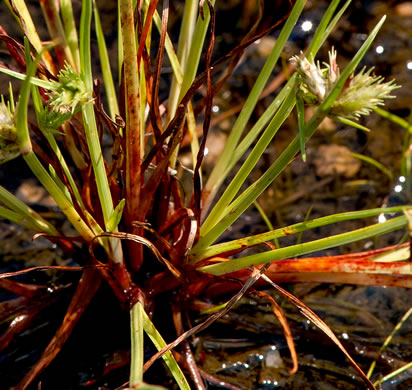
(33, 80)
(194, 140)
(389, 339)
(375, 163)
(263, 120)
(301, 126)
(38, 105)
(406, 165)
(354, 124)
(195, 50)
(234, 245)
(230, 213)
(119, 44)
(307, 247)
(22, 220)
(394, 118)
(392, 255)
(170, 361)
(184, 46)
(393, 374)
(69, 25)
(215, 178)
(116, 216)
(174, 62)
(216, 214)
(57, 34)
(33, 162)
(190, 69)
(89, 119)
(12, 106)
(300, 234)
(183, 51)
(136, 348)
(25, 213)
(60, 184)
(322, 32)
(105, 66)
(178, 78)
(325, 28)
(30, 31)
(266, 220)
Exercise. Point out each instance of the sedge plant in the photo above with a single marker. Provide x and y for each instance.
(137, 229)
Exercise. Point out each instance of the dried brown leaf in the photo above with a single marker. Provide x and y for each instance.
(309, 314)
(85, 291)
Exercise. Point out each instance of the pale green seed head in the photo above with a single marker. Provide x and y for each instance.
(362, 94)
(49, 121)
(7, 127)
(9, 147)
(68, 92)
(311, 76)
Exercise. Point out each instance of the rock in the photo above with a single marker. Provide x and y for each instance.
(335, 160)
(404, 9)
(32, 193)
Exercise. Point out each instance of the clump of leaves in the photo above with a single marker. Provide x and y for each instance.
(137, 230)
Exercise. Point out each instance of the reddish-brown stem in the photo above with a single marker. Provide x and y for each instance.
(132, 144)
(189, 359)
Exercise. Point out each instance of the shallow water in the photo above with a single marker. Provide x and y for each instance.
(247, 347)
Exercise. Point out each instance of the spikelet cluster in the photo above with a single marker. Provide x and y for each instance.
(361, 94)
(9, 147)
(68, 92)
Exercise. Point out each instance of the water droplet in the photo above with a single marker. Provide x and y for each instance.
(361, 37)
(379, 49)
(307, 25)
